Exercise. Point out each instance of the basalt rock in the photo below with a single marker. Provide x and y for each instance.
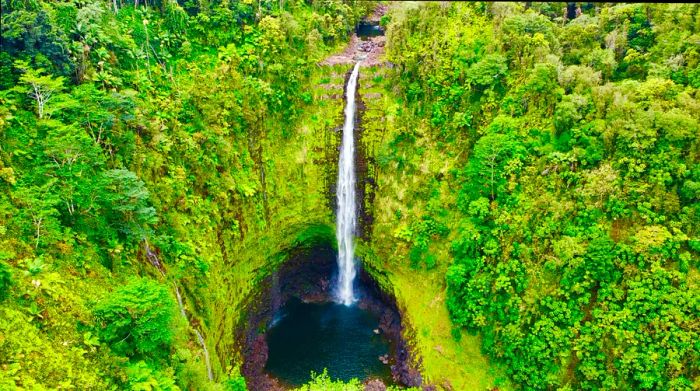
(403, 372)
(375, 385)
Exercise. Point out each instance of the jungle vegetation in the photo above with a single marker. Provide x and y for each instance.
(569, 207)
(536, 181)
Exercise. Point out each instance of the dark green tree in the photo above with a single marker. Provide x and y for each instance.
(136, 319)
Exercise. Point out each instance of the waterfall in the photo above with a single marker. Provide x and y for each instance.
(346, 218)
(200, 339)
(153, 258)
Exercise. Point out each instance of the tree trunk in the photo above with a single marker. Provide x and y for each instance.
(37, 223)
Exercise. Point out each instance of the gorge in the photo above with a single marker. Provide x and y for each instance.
(312, 317)
(435, 196)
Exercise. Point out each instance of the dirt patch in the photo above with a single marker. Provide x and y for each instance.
(370, 51)
(331, 86)
(372, 95)
(378, 13)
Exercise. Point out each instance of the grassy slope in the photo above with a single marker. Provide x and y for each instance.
(446, 362)
(420, 292)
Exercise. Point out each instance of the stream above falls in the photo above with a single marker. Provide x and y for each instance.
(367, 29)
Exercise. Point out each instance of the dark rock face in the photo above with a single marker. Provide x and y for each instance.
(258, 358)
(365, 173)
(375, 385)
(404, 373)
(252, 370)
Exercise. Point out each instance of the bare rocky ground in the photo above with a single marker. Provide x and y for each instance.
(371, 52)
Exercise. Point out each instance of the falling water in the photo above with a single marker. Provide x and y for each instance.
(200, 339)
(153, 257)
(346, 215)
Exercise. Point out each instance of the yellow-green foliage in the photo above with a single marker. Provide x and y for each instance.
(403, 183)
(323, 382)
(532, 163)
(536, 186)
(187, 145)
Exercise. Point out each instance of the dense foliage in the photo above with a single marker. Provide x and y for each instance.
(535, 179)
(133, 139)
(323, 382)
(574, 238)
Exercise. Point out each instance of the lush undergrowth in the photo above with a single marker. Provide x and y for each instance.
(323, 382)
(421, 293)
(535, 183)
(146, 147)
(547, 169)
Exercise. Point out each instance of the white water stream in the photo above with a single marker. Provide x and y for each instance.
(346, 215)
(153, 258)
(200, 339)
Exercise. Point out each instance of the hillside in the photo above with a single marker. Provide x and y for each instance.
(528, 187)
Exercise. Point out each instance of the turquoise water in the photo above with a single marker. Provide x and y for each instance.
(311, 337)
